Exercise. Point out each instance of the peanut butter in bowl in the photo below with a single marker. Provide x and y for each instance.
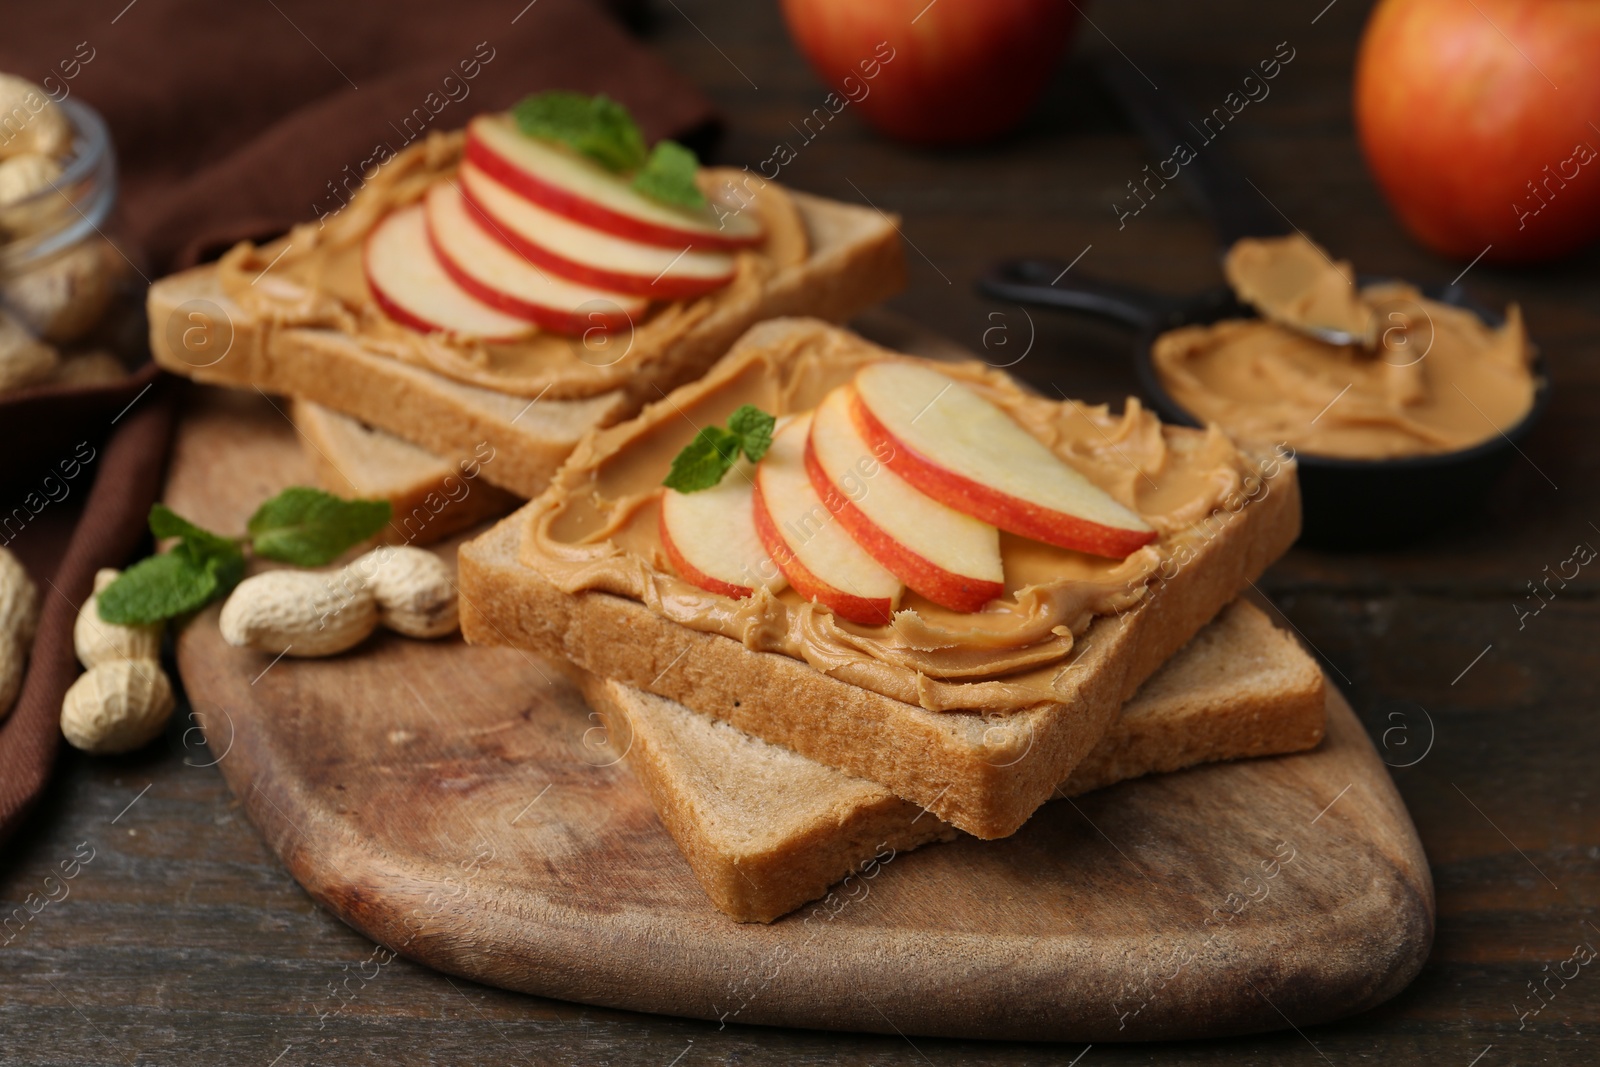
(1432, 377)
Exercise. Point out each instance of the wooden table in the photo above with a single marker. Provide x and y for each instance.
(183, 940)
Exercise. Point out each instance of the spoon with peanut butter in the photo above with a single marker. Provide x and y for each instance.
(1401, 403)
(1293, 282)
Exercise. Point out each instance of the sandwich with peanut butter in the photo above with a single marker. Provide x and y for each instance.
(766, 830)
(914, 572)
(516, 283)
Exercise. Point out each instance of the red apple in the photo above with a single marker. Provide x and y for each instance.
(593, 257)
(585, 192)
(820, 559)
(1475, 117)
(411, 287)
(945, 72)
(965, 452)
(710, 537)
(950, 558)
(492, 272)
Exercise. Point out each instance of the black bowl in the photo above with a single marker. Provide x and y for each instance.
(1347, 503)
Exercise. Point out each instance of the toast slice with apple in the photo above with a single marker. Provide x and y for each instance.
(975, 715)
(767, 830)
(490, 287)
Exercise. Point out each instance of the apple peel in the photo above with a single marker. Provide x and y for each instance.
(950, 558)
(965, 452)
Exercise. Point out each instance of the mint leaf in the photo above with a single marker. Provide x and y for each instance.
(159, 588)
(220, 558)
(668, 176)
(201, 567)
(703, 461)
(595, 126)
(753, 427)
(164, 522)
(308, 527)
(712, 453)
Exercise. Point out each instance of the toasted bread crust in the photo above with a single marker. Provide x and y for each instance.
(1177, 720)
(431, 498)
(759, 884)
(1240, 688)
(856, 260)
(985, 775)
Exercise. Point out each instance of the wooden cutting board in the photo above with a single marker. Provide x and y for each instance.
(462, 807)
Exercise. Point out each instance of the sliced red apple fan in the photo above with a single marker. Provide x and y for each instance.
(529, 234)
(901, 478)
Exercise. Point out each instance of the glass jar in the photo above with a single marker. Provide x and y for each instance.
(71, 291)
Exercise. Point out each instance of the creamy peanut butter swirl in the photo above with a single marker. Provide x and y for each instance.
(313, 277)
(596, 528)
(1434, 377)
(1292, 281)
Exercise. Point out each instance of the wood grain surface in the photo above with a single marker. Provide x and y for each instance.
(461, 805)
(185, 940)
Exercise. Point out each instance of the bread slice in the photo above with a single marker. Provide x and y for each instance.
(766, 830)
(855, 260)
(432, 497)
(985, 774)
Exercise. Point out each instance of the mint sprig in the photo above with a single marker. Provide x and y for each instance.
(714, 450)
(753, 427)
(303, 526)
(164, 522)
(596, 126)
(170, 584)
(668, 176)
(601, 129)
(308, 527)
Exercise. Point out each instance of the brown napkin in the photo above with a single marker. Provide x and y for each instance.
(62, 546)
(236, 121)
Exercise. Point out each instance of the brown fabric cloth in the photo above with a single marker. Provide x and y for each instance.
(236, 121)
(126, 472)
(230, 120)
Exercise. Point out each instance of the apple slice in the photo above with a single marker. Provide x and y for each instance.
(584, 254)
(566, 183)
(950, 558)
(411, 287)
(963, 451)
(710, 536)
(820, 559)
(496, 275)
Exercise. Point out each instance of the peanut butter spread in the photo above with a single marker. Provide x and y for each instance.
(1294, 282)
(313, 278)
(596, 528)
(1438, 380)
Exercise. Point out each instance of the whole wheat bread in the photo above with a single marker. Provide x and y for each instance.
(767, 830)
(984, 774)
(855, 260)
